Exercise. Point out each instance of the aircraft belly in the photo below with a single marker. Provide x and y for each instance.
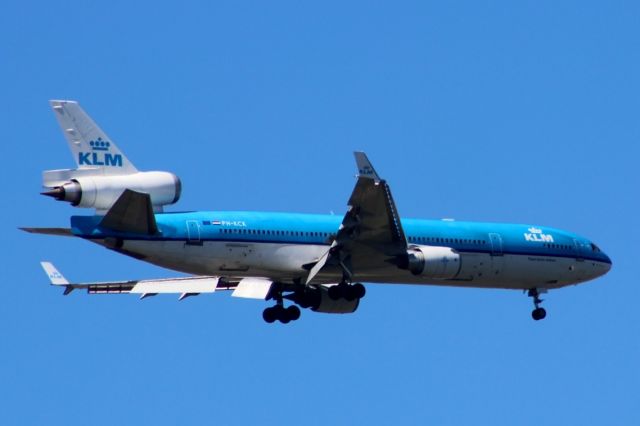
(475, 267)
(227, 258)
(485, 271)
(285, 261)
(527, 271)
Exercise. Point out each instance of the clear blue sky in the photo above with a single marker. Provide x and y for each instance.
(489, 111)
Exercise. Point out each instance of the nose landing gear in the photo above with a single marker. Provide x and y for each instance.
(539, 312)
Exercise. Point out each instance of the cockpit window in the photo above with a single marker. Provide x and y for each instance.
(595, 248)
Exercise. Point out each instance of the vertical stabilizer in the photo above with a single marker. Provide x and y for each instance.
(90, 146)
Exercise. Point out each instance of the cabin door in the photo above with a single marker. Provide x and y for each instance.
(193, 233)
(497, 254)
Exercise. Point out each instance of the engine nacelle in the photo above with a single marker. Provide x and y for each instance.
(433, 262)
(102, 191)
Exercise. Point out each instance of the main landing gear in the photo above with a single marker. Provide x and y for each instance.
(346, 291)
(278, 312)
(343, 298)
(539, 312)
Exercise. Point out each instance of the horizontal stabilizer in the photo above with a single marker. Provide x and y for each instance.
(253, 288)
(62, 232)
(182, 285)
(133, 213)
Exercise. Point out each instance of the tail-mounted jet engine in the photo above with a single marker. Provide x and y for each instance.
(432, 262)
(103, 172)
(100, 192)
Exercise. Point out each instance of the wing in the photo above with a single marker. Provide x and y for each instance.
(371, 235)
(252, 288)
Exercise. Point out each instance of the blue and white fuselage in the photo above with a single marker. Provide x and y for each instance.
(277, 245)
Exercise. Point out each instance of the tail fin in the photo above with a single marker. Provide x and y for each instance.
(90, 146)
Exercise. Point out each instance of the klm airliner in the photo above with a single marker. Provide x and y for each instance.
(308, 261)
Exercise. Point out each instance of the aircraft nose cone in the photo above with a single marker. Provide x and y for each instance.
(602, 267)
(608, 263)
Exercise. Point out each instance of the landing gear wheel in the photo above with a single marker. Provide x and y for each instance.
(349, 293)
(304, 300)
(292, 312)
(280, 313)
(359, 290)
(269, 315)
(538, 314)
(284, 318)
(335, 292)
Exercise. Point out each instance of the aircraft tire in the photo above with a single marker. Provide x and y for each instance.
(284, 317)
(349, 293)
(304, 302)
(269, 315)
(335, 292)
(538, 314)
(293, 312)
(359, 290)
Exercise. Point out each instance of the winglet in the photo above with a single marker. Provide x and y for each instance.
(365, 168)
(54, 275)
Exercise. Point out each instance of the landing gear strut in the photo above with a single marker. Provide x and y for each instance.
(278, 312)
(539, 312)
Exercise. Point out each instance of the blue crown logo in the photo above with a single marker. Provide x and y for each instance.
(100, 145)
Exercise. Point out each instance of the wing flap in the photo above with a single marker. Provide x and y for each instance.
(178, 285)
(253, 288)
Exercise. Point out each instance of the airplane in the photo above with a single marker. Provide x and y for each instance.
(311, 261)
